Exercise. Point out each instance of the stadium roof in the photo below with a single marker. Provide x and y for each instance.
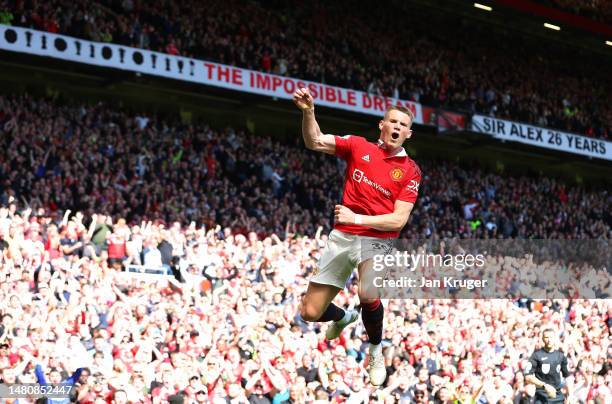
(528, 18)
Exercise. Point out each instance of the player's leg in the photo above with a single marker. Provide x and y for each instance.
(372, 314)
(372, 310)
(334, 269)
(316, 305)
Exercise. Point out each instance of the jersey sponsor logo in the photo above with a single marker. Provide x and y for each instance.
(396, 174)
(545, 368)
(366, 157)
(413, 186)
(359, 176)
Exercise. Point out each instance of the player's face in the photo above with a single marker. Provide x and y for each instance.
(394, 129)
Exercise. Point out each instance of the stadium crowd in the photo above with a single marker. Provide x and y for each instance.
(471, 73)
(94, 159)
(86, 190)
(598, 10)
(229, 331)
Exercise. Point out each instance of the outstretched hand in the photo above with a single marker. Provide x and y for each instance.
(303, 99)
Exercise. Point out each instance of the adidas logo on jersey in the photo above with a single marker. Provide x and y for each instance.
(366, 157)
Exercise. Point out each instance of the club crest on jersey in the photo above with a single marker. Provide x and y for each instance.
(545, 368)
(396, 174)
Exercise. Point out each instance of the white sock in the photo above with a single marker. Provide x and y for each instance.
(375, 349)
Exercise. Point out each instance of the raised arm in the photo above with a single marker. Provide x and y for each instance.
(65, 218)
(40, 375)
(313, 137)
(92, 226)
(75, 377)
(27, 358)
(318, 233)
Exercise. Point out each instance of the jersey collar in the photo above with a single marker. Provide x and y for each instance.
(400, 153)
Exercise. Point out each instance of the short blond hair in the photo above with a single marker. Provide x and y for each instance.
(400, 108)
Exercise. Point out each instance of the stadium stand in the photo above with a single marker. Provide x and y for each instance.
(598, 10)
(143, 168)
(224, 327)
(471, 74)
(229, 330)
(155, 261)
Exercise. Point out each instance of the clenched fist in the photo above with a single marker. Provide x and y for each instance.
(550, 390)
(303, 99)
(342, 214)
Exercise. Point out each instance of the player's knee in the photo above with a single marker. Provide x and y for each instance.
(365, 300)
(368, 295)
(309, 312)
(369, 304)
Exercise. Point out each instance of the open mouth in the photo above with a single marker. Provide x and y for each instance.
(395, 135)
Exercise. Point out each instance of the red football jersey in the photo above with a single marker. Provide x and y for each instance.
(374, 180)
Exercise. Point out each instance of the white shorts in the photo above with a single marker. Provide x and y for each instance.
(343, 253)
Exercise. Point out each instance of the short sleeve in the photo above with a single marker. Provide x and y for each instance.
(344, 146)
(531, 365)
(564, 369)
(410, 188)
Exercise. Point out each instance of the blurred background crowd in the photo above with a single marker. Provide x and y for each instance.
(96, 159)
(225, 329)
(88, 190)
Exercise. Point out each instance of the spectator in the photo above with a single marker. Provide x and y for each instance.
(234, 319)
(55, 378)
(513, 83)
